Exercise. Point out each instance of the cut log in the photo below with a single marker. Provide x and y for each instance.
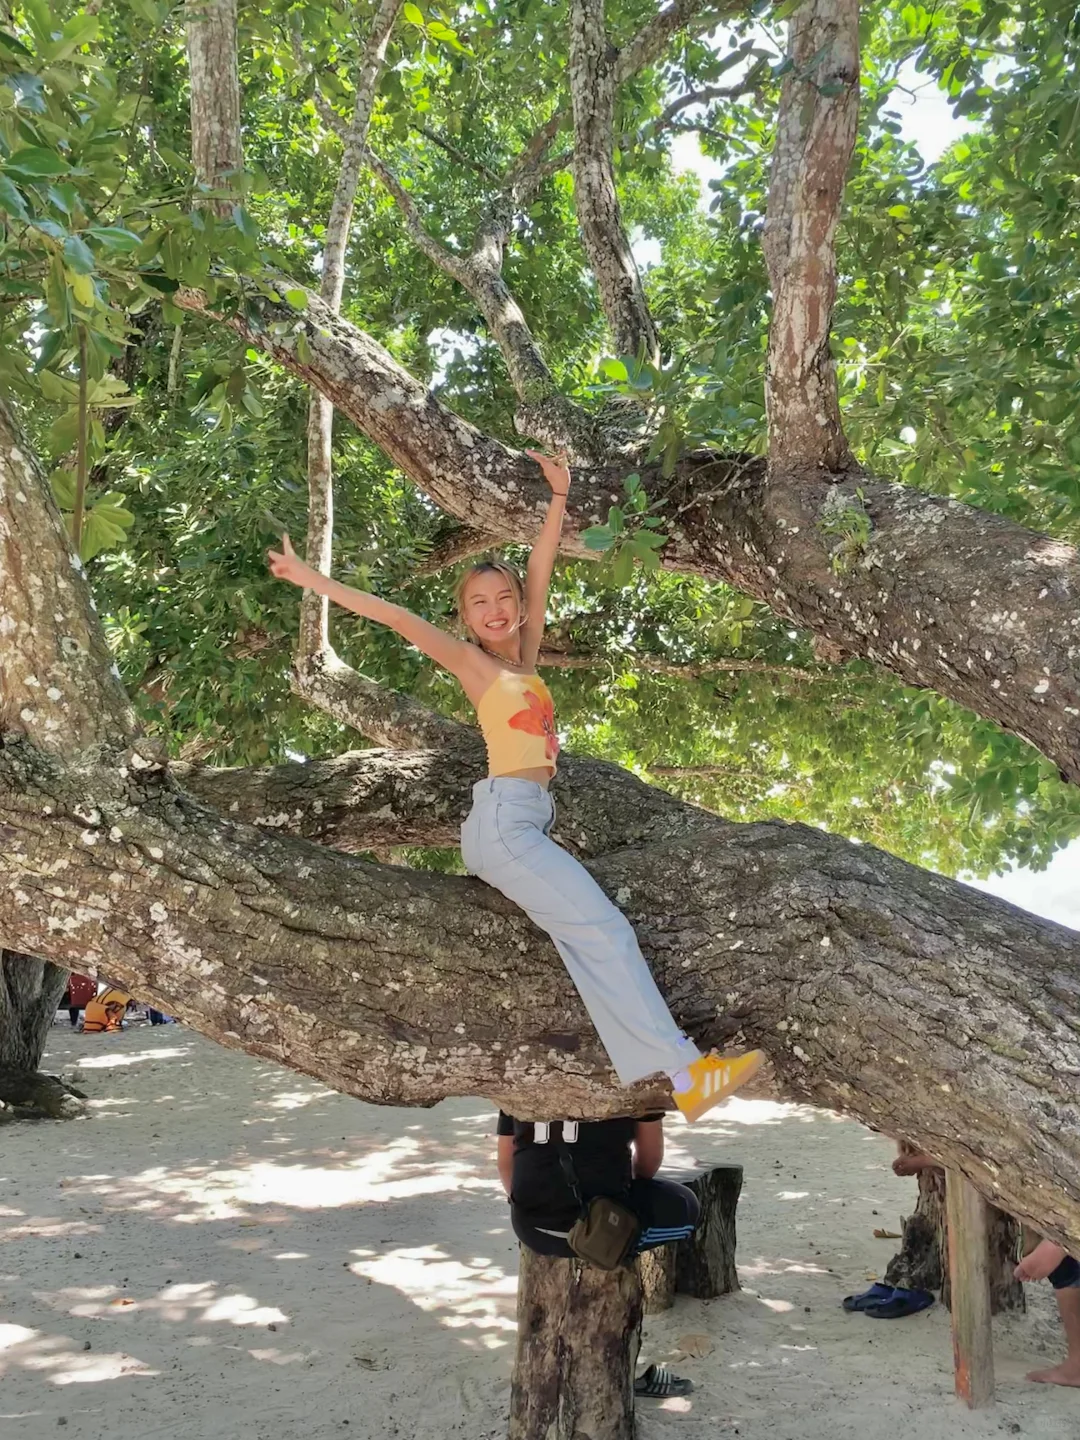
(579, 1329)
(921, 1264)
(704, 1264)
(969, 1274)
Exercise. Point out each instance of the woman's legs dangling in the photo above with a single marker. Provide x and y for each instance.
(505, 842)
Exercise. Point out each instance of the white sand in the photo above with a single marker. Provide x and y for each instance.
(299, 1264)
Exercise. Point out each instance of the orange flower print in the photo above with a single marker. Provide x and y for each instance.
(538, 719)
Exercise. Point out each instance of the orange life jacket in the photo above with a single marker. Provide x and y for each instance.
(105, 1012)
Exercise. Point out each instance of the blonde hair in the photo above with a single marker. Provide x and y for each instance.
(490, 565)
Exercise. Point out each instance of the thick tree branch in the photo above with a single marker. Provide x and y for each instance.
(374, 799)
(819, 108)
(58, 684)
(593, 83)
(653, 38)
(945, 596)
(919, 1005)
(458, 544)
(216, 151)
(378, 713)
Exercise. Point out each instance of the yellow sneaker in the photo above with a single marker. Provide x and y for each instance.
(715, 1077)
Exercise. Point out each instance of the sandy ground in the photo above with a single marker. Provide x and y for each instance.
(228, 1250)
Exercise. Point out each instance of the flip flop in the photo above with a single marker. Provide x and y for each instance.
(660, 1383)
(876, 1295)
(903, 1302)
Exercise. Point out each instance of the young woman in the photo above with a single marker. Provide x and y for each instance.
(506, 838)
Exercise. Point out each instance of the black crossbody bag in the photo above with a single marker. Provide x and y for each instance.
(605, 1231)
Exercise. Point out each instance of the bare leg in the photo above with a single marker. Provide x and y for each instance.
(1068, 1372)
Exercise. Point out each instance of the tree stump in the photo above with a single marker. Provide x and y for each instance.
(579, 1330)
(920, 1263)
(704, 1264)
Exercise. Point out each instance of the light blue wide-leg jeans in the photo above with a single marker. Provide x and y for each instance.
(505, 841)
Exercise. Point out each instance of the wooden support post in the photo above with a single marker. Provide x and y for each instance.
(703, 1265)
(969, 1276)
(579, 1330)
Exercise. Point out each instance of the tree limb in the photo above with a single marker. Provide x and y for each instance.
(919, 1005)
(593, 83)
(216, 150)
(653, 38)
(815, 137)
(58, 683)
(461, 543)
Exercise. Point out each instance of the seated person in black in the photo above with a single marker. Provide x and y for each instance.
(614, 1158)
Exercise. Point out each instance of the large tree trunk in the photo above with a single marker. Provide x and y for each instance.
(216, 151)
(30, 991)
(578, 1335)
(916, 1003)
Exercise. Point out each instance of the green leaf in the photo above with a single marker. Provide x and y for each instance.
(82, 287)
(614, 370)
(414, 15)
(78, 256)
(58, 388)
(11, 200)
(115, 237)
(597, 537)
(622, 567)
(615, 520)
(36, 163)
(63, 484)
(297, 298)
(244, 223)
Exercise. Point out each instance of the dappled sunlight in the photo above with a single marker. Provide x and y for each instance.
(116, 1062)
(46, 1228)
(55, 1357)
(396, 1172)
(752, 1269)
(179, 1303)
(478, 1295)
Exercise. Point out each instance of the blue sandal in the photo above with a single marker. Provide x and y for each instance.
(903, 1303)
(876, 1295)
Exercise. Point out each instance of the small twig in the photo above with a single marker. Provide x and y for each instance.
(81, 466)
(458, 155)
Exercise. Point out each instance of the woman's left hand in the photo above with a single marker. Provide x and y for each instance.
(556, 470)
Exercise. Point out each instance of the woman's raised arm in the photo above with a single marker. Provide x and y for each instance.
(542, 559)
(455, 655)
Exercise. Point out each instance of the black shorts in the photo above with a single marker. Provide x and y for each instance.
(1067, 1275)
(666, 1212)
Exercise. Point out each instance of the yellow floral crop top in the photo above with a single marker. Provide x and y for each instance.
(517, 718)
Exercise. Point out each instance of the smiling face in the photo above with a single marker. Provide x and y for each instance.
(489, 603)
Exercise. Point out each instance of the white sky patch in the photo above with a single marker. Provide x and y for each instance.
(1053, 893)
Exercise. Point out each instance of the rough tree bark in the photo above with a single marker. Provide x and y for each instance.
(819, 111)
(215, 97)
(593, 86)
(30, 991)
(578, 1334)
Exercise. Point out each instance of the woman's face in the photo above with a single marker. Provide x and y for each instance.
(490, 607)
